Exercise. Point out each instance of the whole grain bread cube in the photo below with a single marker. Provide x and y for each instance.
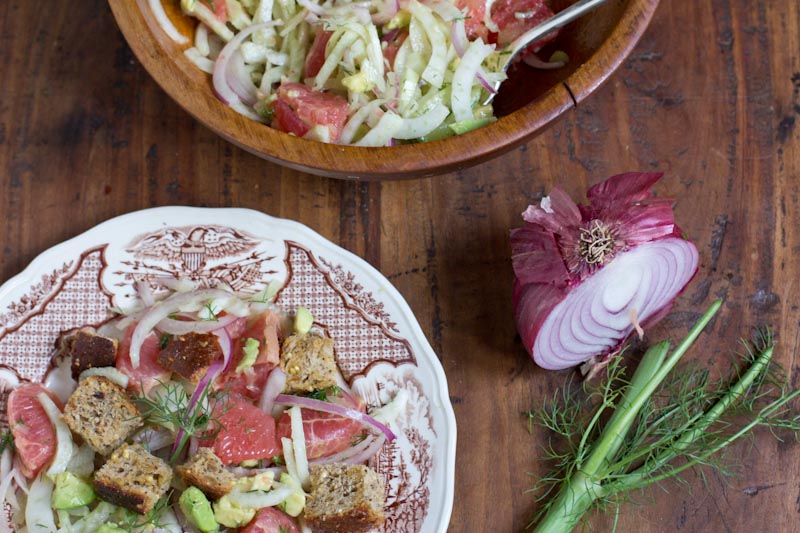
(205, 471)
(345, 498)
(86, 349)
(190, 355)
(307, 360)
(100, 412)
(133, 478)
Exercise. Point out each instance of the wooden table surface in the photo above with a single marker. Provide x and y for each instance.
(711, 97)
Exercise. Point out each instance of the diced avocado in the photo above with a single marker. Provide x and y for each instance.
(250, 352)
(110, 528)
(197, 509)
(559, 56)
(229, 514)
(294, 504)
(470, 124)
(303, 320)
(358, 83)
(71, 492)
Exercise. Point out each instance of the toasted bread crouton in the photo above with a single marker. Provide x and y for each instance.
(190, 355)
(87, 349)
(101, 413)
(205, 471)
(345, 498)
(133, 479)
(308, 362)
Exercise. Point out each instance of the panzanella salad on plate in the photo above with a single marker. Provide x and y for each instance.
(371, 73)
(197, 410)
(105, 321)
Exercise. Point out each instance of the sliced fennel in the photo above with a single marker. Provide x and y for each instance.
(399, 89)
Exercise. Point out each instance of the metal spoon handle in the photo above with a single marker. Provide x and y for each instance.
(562, 18)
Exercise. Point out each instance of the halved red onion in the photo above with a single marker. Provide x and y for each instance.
(587, 277)
(327, 407)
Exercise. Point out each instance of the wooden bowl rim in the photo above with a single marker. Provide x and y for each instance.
(352, 162)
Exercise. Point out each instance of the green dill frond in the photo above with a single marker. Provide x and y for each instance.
(168, 406)
(137, 523)
(6, 441)
(322, 394)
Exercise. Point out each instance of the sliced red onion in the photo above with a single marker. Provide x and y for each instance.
(386, 12)
(239, 80)
(275, 384)
(165, 23)
(163, 309)
(220, 76)
(155, 439)
(358, 454)
(588, 277)
(479, 75)
(226, 345)
(184, 327)
(213, 371)
(458, 35)
(327, 407)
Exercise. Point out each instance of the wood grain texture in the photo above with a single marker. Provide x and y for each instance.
(710, 96)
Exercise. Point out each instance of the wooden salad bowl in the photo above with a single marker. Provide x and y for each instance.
(528, 101)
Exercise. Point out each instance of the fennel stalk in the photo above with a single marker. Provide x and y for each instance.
(655, 419)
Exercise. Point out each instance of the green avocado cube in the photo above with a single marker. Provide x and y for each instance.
(197, 509)
(71, 491)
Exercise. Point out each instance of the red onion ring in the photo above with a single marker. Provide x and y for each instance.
(332, 408)
(239, 80)
(220, 75)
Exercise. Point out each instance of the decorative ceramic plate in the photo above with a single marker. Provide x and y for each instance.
(379, 345)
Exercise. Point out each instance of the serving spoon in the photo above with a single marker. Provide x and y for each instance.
(508, 55)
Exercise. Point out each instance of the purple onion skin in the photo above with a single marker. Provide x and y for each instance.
(544, 258)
